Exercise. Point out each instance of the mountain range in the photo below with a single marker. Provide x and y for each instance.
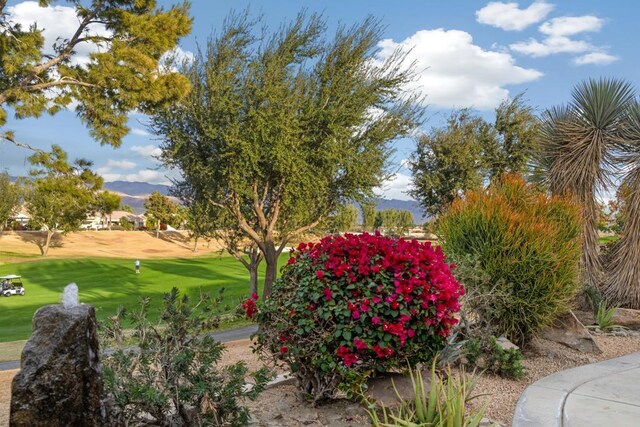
(135, 193)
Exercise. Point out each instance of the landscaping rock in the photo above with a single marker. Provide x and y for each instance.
(626, 317)
(381, 389)
(568, 330)
(60, 381)
(505, 344)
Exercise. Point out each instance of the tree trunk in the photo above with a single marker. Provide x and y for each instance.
(45, 248)
(158, 230)
(195, 244)
(109, 222)
(271, 271)
(255, 257)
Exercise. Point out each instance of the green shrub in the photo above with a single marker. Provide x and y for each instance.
(350, 306)
(443, 405)
(171, 376)
(525, 247)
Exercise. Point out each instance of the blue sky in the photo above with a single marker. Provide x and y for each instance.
(470, 54)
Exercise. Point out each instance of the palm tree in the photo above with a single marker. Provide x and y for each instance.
(622, 281)
(576, 145)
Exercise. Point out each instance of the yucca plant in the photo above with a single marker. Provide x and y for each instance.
(443, 404)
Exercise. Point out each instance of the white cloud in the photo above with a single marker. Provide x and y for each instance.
(550, 46)
(395, 188)
(121, 164)
(510, 17)
(145, 175)
(453, 72)
(558, 32)
(58, 23)
(150, 150)
(571, 25)
(595, 58)
(139, 132)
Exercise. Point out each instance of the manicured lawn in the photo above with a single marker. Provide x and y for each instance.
(607, 239)
(108, 283)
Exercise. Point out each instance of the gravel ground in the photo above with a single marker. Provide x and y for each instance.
(544, 358)
(280, 406)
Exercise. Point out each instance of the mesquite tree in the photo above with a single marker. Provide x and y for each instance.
(281, 130)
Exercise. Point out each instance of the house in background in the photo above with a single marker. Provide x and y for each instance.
(117, 216)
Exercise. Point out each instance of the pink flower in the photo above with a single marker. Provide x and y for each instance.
(355, 314)
(291, 260)
(320, 274)
(284, 350)
(375, 320)
(327, 294)
(359, 344)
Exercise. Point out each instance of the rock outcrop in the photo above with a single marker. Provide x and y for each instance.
(60, 381)
(568, 330)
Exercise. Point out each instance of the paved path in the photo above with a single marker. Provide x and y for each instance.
(600, 394)
(224, 336)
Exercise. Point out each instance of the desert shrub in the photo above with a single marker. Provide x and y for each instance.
(167, 374)
(350, 306)
(442, 404)
(525, 248)
(486, 353)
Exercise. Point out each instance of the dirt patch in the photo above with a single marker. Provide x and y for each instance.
(281, 406)
(25, 245)
(5, 395)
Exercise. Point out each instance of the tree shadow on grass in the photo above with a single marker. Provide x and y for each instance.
(39, 238)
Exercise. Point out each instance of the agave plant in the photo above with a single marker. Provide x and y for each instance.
(443, 404)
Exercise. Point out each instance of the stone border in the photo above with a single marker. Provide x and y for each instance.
(607, 391)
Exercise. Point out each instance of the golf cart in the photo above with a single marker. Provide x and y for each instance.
(11, 285)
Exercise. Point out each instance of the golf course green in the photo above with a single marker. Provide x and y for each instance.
(107, 283)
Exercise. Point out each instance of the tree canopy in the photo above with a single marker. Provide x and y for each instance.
(161, 209)
(61, 194)
(469, 152)
(106, 203)
(127, 39)
(10, 195)
(280, 130)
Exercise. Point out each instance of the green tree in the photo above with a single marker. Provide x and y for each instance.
(516, 130)
(368, 210)
(128, 39)
(10, 196)
(126, 208)
(343, 219)
(291, 125)
(161, 209)
(61, 194)
(405, 221)
(448, 161)
(106, 203)
(576, 148)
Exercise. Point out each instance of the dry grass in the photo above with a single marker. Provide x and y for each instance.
(24, 246)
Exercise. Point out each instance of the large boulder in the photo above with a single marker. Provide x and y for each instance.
(60, 381)
(626, 317)
(568, 330)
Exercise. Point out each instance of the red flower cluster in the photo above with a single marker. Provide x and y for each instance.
(249, 306)
(391, 286)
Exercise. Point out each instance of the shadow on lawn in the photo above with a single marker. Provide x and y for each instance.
(39, 238)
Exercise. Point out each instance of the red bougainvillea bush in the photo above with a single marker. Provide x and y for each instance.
(353, 305)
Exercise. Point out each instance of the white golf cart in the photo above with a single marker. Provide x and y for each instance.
(11, 285)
